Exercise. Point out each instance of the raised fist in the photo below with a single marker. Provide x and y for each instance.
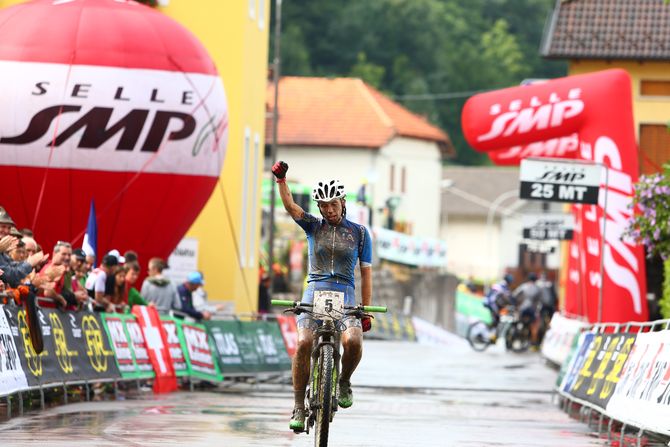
(279, 169)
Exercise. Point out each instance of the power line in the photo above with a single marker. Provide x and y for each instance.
(445, 95)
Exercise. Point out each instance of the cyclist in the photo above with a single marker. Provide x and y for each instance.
(528, 297)
(335, 246)
(497, 298)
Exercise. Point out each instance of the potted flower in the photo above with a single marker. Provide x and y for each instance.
(650, 226)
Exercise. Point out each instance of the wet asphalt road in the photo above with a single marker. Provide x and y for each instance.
(405, 395)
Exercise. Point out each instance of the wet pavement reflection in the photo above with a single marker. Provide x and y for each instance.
(405, 395)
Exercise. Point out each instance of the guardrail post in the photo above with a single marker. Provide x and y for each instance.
(9, 406)
(20, 403)
(639, 438)
(116, 390)
(65, 394)
(42, 404)
(609, 430)
(600, 424)
(88, 391)
(623, 432)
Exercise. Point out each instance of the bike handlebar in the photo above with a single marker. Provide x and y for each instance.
(289, 303)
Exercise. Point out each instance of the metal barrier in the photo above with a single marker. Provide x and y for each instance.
(587, 359)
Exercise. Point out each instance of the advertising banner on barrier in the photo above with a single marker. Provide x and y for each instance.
(642, 395)
(156, 340)
(12, 376)
(289, 331)
(270, 345)
(127, 341)
(602, 366)
(559, 339)
(199, 351)
(176, 346)
(576, 362)
(248, 347)
(75, 347)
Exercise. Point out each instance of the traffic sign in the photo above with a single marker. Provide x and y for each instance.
(548, 226)
(559, 181)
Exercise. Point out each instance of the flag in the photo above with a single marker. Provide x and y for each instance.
(90, 244)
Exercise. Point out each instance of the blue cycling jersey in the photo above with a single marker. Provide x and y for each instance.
(334, 250)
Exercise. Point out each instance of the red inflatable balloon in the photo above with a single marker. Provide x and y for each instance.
(113, 101)
(593, 111)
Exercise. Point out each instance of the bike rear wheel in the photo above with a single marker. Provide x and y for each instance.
(518, 338)
(325, 400)
(478, 336)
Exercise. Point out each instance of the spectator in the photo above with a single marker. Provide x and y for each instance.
(121, 260)
(131, 256)
(27, 232)
(194, 280)
(19, 254)
(157, 289)
(14, 272)
(548, 297)
(66, 292)
(200, 301)
(96, 283)
(116, 289)
(77, 264)
(132, 271)
(264, 295)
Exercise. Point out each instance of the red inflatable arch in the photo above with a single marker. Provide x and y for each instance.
(587, 117)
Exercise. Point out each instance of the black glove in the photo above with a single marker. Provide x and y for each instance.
(366, 323)
(279, 169)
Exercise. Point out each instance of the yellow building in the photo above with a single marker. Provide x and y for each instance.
(596, 35)
(235, 33)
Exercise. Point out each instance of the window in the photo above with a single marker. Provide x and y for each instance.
(654, 148)
(244, 208)
(655, 88)
(403, 176)
(261, 14)
(391, 179)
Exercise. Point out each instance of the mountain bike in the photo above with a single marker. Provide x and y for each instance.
(515, 332)
(321, 394)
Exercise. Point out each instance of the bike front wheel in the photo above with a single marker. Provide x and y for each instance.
(478, 336)
(325, 400)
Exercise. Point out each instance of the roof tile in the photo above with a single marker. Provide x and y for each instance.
(342, 112)
(609, 29)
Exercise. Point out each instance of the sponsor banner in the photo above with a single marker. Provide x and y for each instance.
(289, 331)
(157, 347)
(576, 362)
(176, 345)
(642, 395)
(411, 250)
(601, 368)
(556, 181)
(12, 377)
(560, 337)
(75, 347)
(392, 326)
(113, 118)
(199, 351)
(183, 260)
(251, 347)
(129, 347)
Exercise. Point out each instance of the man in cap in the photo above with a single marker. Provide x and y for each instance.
(193, 281)
(14, 272)
(97, 281)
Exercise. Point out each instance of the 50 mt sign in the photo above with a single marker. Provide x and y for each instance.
(556, 181)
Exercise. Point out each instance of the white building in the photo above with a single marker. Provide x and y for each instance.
(343, 128)
(482, 224)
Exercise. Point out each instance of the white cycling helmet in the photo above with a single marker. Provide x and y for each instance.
(327, 190)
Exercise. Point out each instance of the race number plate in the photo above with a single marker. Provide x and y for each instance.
(328, 304)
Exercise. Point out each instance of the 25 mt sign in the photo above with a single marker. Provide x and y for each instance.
(556, 181)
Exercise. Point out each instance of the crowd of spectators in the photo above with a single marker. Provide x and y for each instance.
(68, 279)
